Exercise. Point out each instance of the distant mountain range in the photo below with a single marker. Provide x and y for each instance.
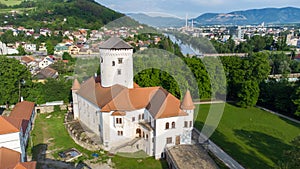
(157, 21)
(251, 16)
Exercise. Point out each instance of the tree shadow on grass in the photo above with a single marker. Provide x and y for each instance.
(291, 122)
(246, 158)
(39, 155)
(269, 146)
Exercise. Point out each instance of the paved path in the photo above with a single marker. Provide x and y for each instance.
(218, 152)
(280, 115)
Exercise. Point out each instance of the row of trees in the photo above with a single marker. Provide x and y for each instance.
(254, 44)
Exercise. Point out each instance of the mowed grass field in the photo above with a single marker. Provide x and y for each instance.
(253, 137)
(11, 2)
(49, 131)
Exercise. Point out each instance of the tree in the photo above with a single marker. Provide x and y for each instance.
(292, 156)
(67, 56)
(15, 80)
(21, 50)
(248, 94)
(50, 48)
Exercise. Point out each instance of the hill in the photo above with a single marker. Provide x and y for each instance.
(157, 21)
(57, 14)
(252, 16)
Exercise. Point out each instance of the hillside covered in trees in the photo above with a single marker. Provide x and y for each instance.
(58, 14)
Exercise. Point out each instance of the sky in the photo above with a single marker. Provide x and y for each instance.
(193, 8)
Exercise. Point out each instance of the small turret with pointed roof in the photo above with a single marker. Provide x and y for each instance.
(187, 102)
(76, 85)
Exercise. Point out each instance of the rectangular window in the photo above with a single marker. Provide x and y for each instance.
(119, 120)
(143, 116)
(120, 133)
(119, 72)
(185, 124)
(133, 118)
(191, 123)
(120, 60)
(169, 140)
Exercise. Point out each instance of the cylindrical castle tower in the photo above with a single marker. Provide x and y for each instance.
(116, 63)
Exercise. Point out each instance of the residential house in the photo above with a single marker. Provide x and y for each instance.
(46, 73)
(47, 61)
(74, 50)
(30, 47)
(15, 129)
(60, 48)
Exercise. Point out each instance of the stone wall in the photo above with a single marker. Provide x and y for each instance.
(48, 109)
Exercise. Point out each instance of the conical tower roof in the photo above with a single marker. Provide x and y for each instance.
(187, 102)
(76, 85)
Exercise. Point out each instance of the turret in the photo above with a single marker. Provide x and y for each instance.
(187, 103)
(75, 88)
(116, 63)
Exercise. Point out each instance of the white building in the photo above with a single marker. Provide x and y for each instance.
(47, 61)
(15, 129)
(121, 112)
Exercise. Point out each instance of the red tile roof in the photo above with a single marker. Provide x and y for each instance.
(118, 113)
(23, 110)
(26, 165)
(6, 127)
(8, 158)
(157, 100)
(17, 122)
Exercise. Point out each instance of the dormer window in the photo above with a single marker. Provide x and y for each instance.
(120, 60)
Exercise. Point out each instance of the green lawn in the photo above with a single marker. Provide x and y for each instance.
(255, 138)
(11, 2)
(49, 131)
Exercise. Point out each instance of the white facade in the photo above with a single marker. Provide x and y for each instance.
(45, 62)
(116, 67)
(14, 141)
(149, 131)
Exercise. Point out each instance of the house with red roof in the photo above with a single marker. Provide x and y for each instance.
(122, 113)
(15, 128)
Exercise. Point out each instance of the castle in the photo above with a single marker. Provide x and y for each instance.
(120, 112)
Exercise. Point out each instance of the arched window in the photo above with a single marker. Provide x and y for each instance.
(173, 125)
(167, 125)
(113, 63)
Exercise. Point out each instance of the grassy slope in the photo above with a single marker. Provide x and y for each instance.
(253, 137)
(10, 2)
(51, 132)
